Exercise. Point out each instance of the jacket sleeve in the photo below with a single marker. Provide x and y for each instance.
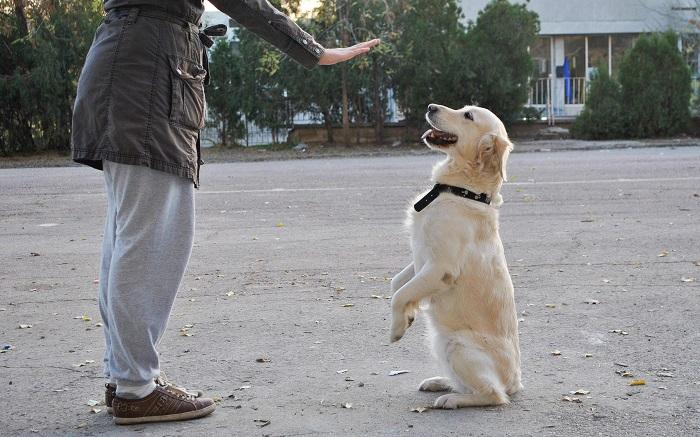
(260, 17)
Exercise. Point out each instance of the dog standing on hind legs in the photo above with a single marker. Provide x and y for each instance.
(459, 272)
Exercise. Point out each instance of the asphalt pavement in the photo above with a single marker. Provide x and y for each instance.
(283, 315)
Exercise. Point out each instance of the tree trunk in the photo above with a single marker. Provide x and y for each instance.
(346, 110)
(21, 17)
(378, 104)
(328, 123)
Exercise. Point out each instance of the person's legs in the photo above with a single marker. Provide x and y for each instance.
(148, 240)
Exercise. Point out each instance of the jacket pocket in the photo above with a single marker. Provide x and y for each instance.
(187, 93)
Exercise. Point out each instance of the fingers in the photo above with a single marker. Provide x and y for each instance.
(367, 44)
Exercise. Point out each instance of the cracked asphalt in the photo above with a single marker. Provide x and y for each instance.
(291, 265)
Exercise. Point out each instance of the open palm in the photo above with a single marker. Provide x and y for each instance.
(334, 56)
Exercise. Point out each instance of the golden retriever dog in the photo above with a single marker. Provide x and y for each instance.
(459, 277)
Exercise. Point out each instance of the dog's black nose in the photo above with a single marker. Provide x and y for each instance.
(432, 109)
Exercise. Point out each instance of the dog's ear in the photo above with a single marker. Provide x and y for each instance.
(494, 149)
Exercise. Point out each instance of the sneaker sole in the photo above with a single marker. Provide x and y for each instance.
(166, 418)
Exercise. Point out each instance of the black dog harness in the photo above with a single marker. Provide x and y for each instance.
(457, 191)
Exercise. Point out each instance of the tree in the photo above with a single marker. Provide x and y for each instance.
(432, 61)
(656, 87)
(224, 96)
(602, 117)
(499, 64)
(43, 45)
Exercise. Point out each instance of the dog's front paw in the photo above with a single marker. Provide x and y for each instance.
(449, 402)
(399, 325)
(401, 320)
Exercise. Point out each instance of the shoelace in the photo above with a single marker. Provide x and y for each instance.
(182, 392)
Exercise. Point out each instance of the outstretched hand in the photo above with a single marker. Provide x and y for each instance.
(334, 56)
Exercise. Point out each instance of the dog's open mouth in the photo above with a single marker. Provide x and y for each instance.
(437, 137)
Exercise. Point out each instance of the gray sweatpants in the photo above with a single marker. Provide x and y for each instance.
(147, 244)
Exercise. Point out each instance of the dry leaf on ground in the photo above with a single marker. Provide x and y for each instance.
(556, 352)
(638, 382)
(571, 399)
(398, 372)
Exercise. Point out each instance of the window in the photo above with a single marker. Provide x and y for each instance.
(575, 53)
(540, 52)
(597, 53)
(621, 44)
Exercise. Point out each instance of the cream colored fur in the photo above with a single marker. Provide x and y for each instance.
(459, 270)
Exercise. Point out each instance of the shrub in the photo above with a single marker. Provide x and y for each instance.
(601, 118)
(656, 87)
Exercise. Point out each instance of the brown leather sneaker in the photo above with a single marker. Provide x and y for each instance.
(167, 403)
(110, 393)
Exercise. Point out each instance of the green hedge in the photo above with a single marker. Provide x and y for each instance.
(650, 98)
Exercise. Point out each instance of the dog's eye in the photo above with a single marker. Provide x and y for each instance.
(468, 115)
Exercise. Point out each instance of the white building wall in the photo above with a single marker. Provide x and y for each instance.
(589, 17)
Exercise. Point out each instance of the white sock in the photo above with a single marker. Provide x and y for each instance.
(127, 391)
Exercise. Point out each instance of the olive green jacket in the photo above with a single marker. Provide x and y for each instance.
(140, 97)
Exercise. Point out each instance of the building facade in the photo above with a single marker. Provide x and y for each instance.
(579, 36)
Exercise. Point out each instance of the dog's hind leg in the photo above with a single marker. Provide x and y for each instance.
(474, 369)
(436, 383)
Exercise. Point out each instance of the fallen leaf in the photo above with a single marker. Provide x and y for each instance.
(398, 372)
(684, 279)
(341, 371)
(261, 423)
(280, 225)
(420, 409)
(262, 360)
(587, 355)
(591, 302)
(34, 254)
(571, 399)
(662, 254)
(638, 382)
(580, 391)
(556, 352)
(339, 288)
(376, 296)
(348, 305)
(22, 326)
(607, 281)
(347, 405)
(98, 324)
(230, 293)
(664, 374)
(619, 331)
(625, 373)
